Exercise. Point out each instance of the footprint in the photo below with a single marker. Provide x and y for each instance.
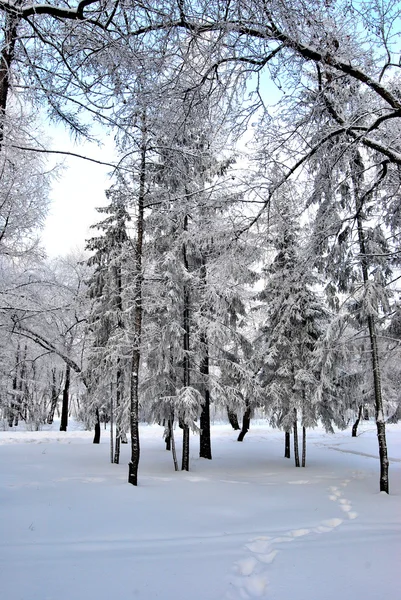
(345, 507)
(352, 515)
(322, 529)
(256, 586)
(268, 558)
(299, 532)
(246, 566)
(331, 523)
(279, 540)
(333, 498)
(259, 546)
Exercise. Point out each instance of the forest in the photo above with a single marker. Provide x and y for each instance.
(248, 259)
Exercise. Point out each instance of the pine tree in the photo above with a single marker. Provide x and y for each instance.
(293, 318)
(108, 361)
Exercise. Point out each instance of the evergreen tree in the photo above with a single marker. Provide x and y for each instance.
(108, 361)
(293, 321)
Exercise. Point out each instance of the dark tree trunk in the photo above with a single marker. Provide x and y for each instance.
(246, 421)
(296, 447)
(136, 354)
(6, 60)
(173, 452)
(379, 411)
(96, 438)
(358, 169)
(167, 434)
(186, 365)
(303, 445)
(355, 425)
(111, 425)
(233, 419)
(23, 390)
(117, 449)
(119, 374)
(66, 394)
(287, 445)
(118, 402)
(54, 398)
(205, 450)
(185, 448)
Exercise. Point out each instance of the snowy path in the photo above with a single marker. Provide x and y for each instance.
(245, 525)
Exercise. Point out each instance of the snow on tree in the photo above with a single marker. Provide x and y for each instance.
(108, 367)
(292, 321)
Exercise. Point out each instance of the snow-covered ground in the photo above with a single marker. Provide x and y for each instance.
(246, 524)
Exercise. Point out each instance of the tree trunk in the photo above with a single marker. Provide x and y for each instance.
(296, 447)
(246, 421)
(96, 438)
(173, 451)
(287, 445)
(23, 389)
(185, 448)
(379, 412)
(13, 410)
(136, 353)
(303, 445)
(136, 356)
(186, 342)
(54, 398)
(205, 450)
(117, 448)
(6, 59)
(167, 433)
(111, 425)
(233, 419)
(66, 393)
(355, 425)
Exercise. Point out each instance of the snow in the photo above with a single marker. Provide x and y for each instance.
(247, 524)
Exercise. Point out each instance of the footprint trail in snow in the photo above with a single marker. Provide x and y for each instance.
(250, 578)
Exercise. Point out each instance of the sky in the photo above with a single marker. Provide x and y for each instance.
(81, 185)
(79, 189)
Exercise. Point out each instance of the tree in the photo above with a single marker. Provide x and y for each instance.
(47, 306)
(293, 321)
(24, 197)
(107, 366)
